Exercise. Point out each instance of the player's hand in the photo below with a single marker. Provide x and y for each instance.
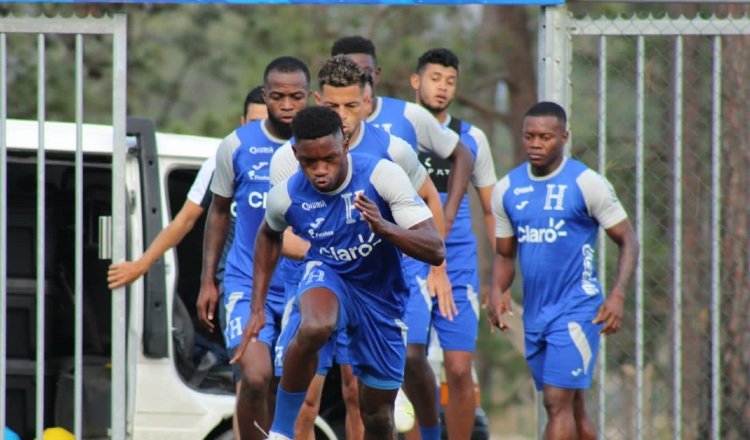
(610, 313)
(124, 273)
(250, 333)
(500, 304)
(439, 286)
(206, 304)
(370, 213)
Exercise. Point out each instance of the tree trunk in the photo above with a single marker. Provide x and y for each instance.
(505, 34)
(735, 330)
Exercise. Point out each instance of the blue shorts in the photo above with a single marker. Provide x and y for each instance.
(564, 354)
(237, 297)
(422, 310)
(376, 348)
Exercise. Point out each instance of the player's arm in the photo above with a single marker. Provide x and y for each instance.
(483, 178)
(485, 200)
(438, 283)
(120, 274)
(268, 244)
(503, 265)
(604, 206)
(214, 236)
(610, 313)
(421, 241)
(294, 246)
(216, 229)
(414, 231)
(462, 162)
(433, 137)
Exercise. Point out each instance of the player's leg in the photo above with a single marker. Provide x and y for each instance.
(305, 424)
(419, 380)
(571, 349)
(420, 386)
(584, 426)
(458, 340)
(558, 402)
(311, 323)
(376, 407)
(355, 428)
(459, 415)
(252, 400)
(222, 317)
(254, 367)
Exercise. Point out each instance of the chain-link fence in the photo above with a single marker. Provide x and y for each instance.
(661, 106)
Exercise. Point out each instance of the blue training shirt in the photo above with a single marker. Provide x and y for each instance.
(338, 235)
(555, 220)
(243, 173)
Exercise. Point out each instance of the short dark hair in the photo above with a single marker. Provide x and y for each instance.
(440, 55)
(341, 71)
(316, 122)
(286, 64)
(548, 108)
(353, 44)
(254, 96)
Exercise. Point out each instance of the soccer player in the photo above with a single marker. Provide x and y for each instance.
(242, 167)
(549, 210)
(420, 129)
(435, 83)
(362, 214)
(342, 88)
(198, 200)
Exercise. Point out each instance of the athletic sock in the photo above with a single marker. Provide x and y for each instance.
(432, 433)
(287, 408)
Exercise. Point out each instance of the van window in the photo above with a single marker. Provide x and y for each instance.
(200, 356)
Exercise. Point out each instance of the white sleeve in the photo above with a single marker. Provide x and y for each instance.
(394, 187)
(601, 199)
(431, 136)
(223, 181)
(283, 164)
(199, 189)
(483, 174)
(503, 227)
(404, 156)
(277, 203)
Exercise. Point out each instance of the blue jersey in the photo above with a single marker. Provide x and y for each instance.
(242, 172)
(461, 244)
(555, 220)
(338, 235)
(371, 141)
(413, 124)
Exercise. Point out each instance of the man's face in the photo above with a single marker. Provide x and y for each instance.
(285, 93)
(367, 64)
(323, 161)
(254, 112)
(435, 86)
(544, 139)
(349, 102)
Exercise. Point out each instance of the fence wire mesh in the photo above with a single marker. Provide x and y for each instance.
(685, 372)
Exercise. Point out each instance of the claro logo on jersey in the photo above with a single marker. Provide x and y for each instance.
(360, 250)
(528, 234)
(257, 199)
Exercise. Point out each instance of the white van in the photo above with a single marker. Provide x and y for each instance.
(179, 385)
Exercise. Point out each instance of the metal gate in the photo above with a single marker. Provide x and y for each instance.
(81, 28)
(660, 106)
